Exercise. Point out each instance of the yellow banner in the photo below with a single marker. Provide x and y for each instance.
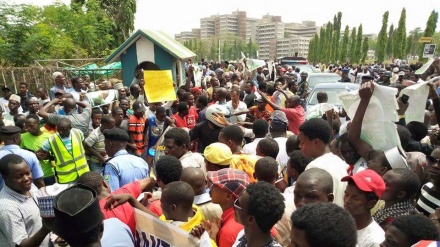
(159, 86)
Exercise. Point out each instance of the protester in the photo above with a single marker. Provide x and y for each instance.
(20, 221)
(323, 224)
(124, 212)
(402, 186)
(314, 139)
(196, 178)
(68, 152)
(363, 191)
(177, 144)
(226, 186)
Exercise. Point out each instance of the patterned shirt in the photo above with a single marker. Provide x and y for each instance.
(96, 141)
(265, 115)
(19, 218)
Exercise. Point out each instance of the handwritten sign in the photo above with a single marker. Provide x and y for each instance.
(159, 86)
(152, 232)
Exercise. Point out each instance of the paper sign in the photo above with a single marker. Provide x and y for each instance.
(159, 86)
(424, 67)
(152, 232)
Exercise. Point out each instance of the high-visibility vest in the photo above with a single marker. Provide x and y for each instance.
(69, 166)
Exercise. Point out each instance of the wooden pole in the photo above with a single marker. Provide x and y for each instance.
(13, 80)
(3, 75)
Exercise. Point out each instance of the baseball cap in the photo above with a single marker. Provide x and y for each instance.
(195, 89)
(231, 180)
(387, 74)
(367, 77)
(6, 87)
(367, 181)
(279, 120)
(9, 130)
(218, 154)
(138, 107)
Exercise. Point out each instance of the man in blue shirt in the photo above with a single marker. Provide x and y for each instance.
(122, 168)
(12, 139)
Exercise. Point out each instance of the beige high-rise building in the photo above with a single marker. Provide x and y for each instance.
(274, 38)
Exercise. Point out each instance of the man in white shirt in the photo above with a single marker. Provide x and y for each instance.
(314, 139)
(177, 144)
(363, 191)
(278, 131)
(260, 129)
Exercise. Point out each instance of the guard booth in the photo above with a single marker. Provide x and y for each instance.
(154, 50)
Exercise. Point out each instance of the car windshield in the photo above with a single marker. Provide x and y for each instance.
(305, 68)
(315, 80)
(332, 94)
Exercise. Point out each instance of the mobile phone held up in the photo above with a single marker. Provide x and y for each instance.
(404, 98)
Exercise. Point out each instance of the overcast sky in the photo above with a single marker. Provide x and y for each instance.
(176, 16)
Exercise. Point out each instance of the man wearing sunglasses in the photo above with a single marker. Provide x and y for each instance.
(258, 220)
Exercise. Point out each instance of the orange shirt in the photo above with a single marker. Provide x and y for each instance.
(136, 127)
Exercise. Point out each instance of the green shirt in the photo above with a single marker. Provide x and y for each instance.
(34, 143)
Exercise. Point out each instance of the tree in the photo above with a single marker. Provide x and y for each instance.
(358, 50)
(409, 44)
(313, 47)
(328, 42)
(364, 49)
(321, 46)
(431, 25)
(389, 50)
(415, 34)
(213, 50)
(382, 39)
(344, 46)
(352, 50)
(120, 12)
(399, 40)
(337, 37)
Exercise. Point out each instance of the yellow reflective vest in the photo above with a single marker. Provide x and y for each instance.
(69, 166)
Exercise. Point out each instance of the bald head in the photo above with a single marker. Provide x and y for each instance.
(319, 178)
(196, 178)
(69, 104)
(313, 185)
(222, 93)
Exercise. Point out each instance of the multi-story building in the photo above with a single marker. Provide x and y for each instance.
(287, 47)
(274, 38)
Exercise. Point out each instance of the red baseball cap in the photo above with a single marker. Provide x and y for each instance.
(196, 89)
(368, 181)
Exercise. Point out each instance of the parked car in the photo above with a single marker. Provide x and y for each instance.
(332, 90)
(316, 78)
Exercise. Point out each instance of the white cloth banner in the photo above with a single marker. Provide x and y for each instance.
(418, 94)
(102, 97)
(378, 128)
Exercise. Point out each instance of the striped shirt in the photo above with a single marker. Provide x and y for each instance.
(19, 218)
(96, 141)
(429, 200)
(136, 127)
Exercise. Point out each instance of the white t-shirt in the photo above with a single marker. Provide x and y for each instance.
(241, 107)
(370, 236)
(251, 148)
(282, 157)
(190, 159)
(338, 169)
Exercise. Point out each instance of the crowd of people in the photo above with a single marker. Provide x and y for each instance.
(234, 158)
